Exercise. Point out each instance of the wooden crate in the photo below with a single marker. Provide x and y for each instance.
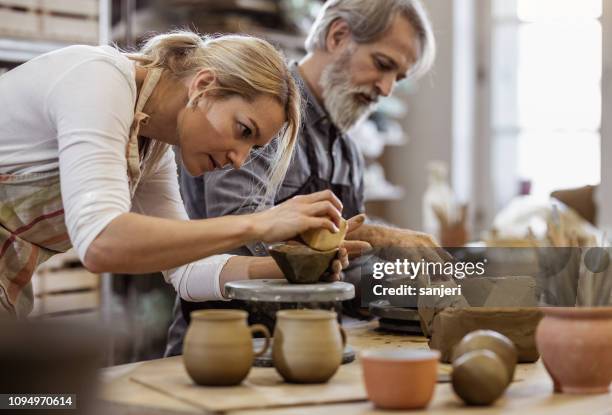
(25, 4)
(62, 286)
(75, 7)
(74, 21)
(19, 23)
(70, 29)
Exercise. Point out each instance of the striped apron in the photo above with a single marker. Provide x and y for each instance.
(32, 226)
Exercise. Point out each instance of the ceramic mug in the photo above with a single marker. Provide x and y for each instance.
(218, 348)
(400, 378)
(308, 345)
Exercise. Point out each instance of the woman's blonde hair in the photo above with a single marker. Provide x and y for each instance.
(244, 66)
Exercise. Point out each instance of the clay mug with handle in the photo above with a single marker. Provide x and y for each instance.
(308, 345)
(218, 348)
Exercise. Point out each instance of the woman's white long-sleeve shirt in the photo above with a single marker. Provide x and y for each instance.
(72, 110)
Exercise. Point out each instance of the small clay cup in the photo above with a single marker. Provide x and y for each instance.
(307, 345)
(218, 348)
(576, 348)
(400, 379)
(493, 341)
(301, 264)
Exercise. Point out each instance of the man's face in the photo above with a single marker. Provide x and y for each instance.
(361, 73)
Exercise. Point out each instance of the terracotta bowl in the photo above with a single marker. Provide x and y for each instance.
(301, 264)
(400, 379)
(576, 348)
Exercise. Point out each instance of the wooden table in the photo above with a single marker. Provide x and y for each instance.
(531, 395)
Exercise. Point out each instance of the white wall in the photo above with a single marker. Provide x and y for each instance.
(605, 191)
(440, 114)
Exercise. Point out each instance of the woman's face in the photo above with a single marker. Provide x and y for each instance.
(217, 132)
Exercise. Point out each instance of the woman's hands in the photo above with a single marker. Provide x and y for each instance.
(296, 215)
(349, 249)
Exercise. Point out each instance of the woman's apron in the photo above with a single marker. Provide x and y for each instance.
(32, 225)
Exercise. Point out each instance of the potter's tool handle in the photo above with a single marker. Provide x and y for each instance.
(343, 334)
(260, 328)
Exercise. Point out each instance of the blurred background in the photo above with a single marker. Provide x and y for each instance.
(518, 106)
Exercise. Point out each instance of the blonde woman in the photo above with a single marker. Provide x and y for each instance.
(86, 160)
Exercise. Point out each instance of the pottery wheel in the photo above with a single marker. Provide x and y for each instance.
(280, 291)
(397, 319)
(265, 360)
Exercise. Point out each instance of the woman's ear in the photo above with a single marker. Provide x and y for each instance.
(338, 36)
(199, 84)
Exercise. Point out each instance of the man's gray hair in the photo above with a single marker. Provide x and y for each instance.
(368, 20)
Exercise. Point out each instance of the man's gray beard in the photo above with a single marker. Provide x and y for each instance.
(339, 94)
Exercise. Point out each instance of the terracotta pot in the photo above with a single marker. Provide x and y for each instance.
(400, 379)
(218, 349)
(576, 348)
(308, 345)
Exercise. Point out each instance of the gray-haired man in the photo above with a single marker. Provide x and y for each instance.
(357, 51)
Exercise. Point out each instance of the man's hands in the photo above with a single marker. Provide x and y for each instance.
(392, 243)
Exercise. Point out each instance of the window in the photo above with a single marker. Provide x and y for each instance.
(546, 95)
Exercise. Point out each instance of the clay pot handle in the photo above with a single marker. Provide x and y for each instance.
(343, 334)
(260, 328)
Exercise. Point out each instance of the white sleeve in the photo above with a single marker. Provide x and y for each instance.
(91, 106)
(158, 195)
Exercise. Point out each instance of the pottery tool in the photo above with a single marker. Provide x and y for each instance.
(596, 274)
(559, 264)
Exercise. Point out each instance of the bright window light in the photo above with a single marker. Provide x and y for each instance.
(547, 10)
(547, 71)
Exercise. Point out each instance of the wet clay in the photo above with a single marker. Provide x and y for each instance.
(301, 264)
(323, 240)
(518, 324)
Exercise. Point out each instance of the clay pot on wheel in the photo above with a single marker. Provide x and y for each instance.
(301, 264)
(308, 345)
(576, 348)
(218, 348)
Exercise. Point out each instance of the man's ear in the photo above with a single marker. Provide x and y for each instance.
(338, 35)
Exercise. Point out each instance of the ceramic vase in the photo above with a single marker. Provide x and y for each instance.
(576, 348)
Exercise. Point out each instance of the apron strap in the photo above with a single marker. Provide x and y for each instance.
(140, 118)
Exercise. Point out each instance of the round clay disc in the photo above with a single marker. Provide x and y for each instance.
(280, 291)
